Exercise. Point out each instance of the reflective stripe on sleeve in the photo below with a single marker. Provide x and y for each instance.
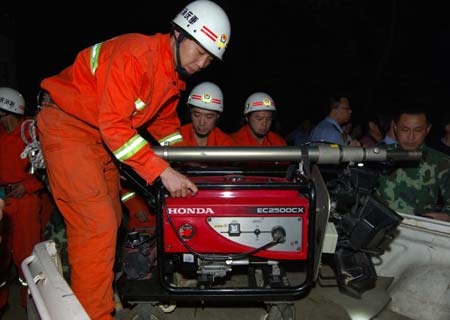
(95, 52)
(139, 104)
(127, 196)
(171, 139)
(129, 148)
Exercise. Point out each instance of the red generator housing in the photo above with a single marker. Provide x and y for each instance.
(246, 237)
(238, 220)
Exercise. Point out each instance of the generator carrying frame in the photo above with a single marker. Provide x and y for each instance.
(157, 289)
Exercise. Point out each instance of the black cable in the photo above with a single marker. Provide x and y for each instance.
(215, 257)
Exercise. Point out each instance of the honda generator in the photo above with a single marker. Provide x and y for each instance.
(241, 236)
(238, 224)
(247, 235)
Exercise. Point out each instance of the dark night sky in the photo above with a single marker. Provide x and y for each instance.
(379, 53)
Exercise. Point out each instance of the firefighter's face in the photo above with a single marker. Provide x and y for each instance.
(260, 122)
(4, 116)
(203, 121)
(3, 113)
(193, 57)
(411, 130)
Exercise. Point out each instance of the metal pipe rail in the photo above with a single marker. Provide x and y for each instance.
(321, 154)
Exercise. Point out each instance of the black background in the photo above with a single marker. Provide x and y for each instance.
(379, 53)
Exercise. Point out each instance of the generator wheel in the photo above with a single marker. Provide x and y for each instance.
(147, 311)
(282, 311)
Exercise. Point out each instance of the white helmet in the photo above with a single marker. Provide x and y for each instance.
(206, 22)
(259, 101)
(206, 95)
(11, 101)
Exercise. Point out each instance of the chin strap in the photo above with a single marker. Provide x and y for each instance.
(181, 71)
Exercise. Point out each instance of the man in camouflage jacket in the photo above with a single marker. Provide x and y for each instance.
(421, 188)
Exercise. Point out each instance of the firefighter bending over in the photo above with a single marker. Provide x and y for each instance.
(92, 112)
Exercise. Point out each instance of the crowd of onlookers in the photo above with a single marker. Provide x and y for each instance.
(419, 188)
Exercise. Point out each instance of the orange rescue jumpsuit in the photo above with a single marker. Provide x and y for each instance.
(112, 88)
(47, 208)
(216, 138)
(141, 219)
(244, 137)
(23, 213)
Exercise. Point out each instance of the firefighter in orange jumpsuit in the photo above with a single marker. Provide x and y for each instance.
(258, 112)
(206, 105)
(23, 202)
(92, 112)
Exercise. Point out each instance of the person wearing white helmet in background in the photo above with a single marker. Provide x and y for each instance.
(111, 90)
(21, 188)
(205, 104)
(259, 113)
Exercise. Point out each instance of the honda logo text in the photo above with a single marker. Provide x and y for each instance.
(190, 211)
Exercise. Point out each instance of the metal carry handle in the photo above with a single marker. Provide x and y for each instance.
(321, 154)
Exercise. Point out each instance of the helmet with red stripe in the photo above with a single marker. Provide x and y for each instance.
(206, 95)
(206, 22)
(12, 101)
(259, 101)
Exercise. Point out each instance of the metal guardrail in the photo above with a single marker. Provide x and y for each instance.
(53, 299)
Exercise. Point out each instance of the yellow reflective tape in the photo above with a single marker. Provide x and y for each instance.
(129, 148)
(139, 104)
(95, 53)
(171, 139)
(127, 196)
